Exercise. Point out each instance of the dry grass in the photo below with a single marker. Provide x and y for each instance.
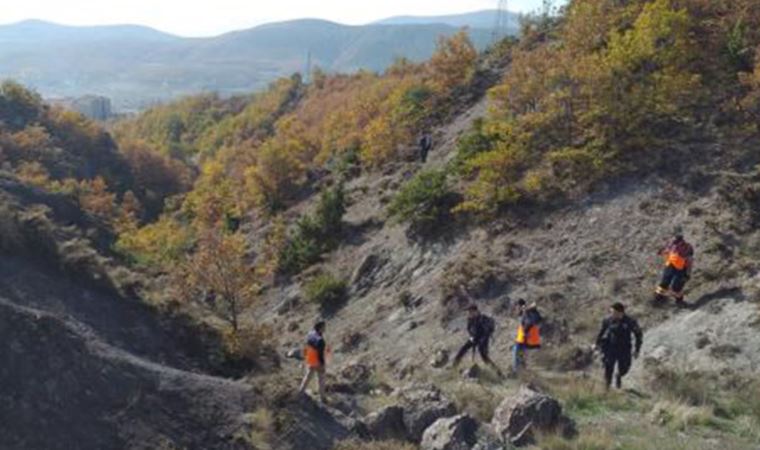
(680, 416)
(374, 445)
(477, 400)
(262, 429)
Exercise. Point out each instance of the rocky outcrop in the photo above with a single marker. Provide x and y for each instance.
(387, 424)
(453, 433)
(518, 417)
(423, 405)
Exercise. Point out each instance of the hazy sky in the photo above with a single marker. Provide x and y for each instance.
(209, 17)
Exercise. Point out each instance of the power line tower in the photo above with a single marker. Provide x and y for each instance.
(307, 68)
(501, 25)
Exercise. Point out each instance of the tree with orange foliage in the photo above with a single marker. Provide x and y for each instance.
(217, 277)
(453, 63)
(95, 198)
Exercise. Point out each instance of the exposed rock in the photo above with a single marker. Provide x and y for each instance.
(386, 424)
(453, 433)
(440, 359)
(423, 405)
(364, 275)
(518, 417)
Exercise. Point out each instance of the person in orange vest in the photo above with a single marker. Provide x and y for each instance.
(679, 258)
(314, 358)
(528, 333)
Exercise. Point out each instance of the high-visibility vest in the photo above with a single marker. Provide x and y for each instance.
(311, 357)
(676, 260)
(533, 337)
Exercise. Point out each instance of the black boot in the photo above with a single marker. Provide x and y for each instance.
(618, 381)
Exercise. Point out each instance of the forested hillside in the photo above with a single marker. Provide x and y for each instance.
(66, 61)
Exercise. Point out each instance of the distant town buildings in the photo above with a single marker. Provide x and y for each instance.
(95, 107)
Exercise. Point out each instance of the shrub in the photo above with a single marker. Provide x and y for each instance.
(472, 143)
(424, 201)
(327, 291)
(314, 234)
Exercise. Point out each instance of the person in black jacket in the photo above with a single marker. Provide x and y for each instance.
(480, 328)
(615, 342)
(425, 143)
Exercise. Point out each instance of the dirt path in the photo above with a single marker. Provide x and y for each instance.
(446, 137)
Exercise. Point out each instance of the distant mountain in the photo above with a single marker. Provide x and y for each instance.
(41, 31)
(477, 19)
(136, 66)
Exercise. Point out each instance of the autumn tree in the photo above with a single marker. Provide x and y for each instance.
(218, 278)
(453, 62)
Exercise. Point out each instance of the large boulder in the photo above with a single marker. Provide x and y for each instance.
(453, 433)
(387, 424)
(423, 405)
(518, 417)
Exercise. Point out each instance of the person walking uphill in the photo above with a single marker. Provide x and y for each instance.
(480, 328)
(528, 333)
(314, 357)
(614, 341)
(679, 258)
(425, 143)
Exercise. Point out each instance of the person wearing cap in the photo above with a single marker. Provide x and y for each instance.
(528, 333)
(480, 328)
(615, 342)
(679, 259)
(314, 359)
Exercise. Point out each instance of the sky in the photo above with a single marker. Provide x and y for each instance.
(212, 17)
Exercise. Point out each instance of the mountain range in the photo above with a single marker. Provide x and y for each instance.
(136, 66)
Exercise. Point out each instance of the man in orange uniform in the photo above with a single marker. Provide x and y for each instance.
(528, 333)
(314, 357)
(679, 256)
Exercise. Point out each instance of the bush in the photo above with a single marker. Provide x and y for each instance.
(472, 143)
(424, 201)
(314, 234)
(327, 291)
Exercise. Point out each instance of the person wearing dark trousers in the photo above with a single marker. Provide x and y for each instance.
(615, 341)
(480, 329)
(425, 143)
(679, 259)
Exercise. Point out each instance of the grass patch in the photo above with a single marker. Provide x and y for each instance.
(354, 444)
(262, 429)
(682, 417)
(586, 397)
(475, 399)
(591, 440)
